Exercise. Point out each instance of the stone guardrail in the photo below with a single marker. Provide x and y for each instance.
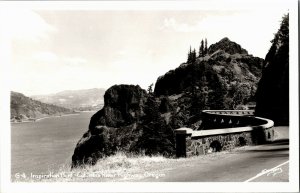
(252, 130)
(215, 119)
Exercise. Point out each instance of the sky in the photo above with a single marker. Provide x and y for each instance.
(56, 50)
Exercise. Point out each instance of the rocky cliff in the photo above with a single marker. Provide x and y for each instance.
(123, 106)
(128, 122)
(273, 88)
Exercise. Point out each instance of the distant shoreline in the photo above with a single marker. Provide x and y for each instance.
(86, 111)
(39, 119)
(64, 115)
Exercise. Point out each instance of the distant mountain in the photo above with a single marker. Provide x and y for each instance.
(23, 108)
(87, 99)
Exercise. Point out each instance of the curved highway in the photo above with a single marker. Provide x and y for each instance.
(263, 163)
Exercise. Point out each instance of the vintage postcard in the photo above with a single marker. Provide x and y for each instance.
(149, 96)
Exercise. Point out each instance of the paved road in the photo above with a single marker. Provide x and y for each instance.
(261, 163)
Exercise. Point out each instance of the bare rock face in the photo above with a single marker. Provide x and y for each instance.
(273, 89)
(94, 144)
(228, 46)
(122, 106)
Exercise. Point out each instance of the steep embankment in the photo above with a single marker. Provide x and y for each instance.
(135, 121)
(273, 88)
(23, 108)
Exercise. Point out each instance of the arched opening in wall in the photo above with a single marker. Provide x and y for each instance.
(242, 141)
(215, 146)
(269, 135)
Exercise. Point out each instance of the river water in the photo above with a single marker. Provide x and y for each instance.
(46, 145)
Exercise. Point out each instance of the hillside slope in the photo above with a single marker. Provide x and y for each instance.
(85, 99)
(23, 108)
(223, 79)
(273, 88)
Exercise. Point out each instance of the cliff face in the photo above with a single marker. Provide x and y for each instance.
(128, 122)
(23, 108)
(225, 78)
(273, 88)
(123, 106)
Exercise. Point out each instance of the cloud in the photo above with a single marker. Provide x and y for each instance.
(48, 57)
(213, 22)
(173, 24)
(24, 24)
(74, 61)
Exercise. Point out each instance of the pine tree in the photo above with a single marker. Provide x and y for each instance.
(205, 47)
(150, 91)
(194, 55)
(201, 49)
(189, 59)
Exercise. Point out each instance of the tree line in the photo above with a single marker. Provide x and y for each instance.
(192, 55)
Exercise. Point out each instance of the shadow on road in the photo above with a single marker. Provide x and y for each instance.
(267, 156)
(269, 150)
(278, 147)
(279, 142)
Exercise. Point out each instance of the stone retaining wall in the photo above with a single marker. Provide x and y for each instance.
(190, 142)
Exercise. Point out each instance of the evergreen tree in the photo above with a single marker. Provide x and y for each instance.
(205, 47)
(194, 55)
(150, 91)
(189, 59)
(157, 137)
(151, 110)
(201, 49)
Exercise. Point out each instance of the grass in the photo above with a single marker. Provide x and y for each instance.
(121, 167)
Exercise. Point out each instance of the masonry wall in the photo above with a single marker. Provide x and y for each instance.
(207, 144)
(223, 130)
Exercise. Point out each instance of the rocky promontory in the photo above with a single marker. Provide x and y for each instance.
(128, 122)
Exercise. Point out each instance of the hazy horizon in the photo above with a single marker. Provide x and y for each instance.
(70, 90)
(59, 50)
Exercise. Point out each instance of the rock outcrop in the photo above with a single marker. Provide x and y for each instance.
(114, 127)
(227, 46)
(123, 106)
(273, 88)
(130, 121)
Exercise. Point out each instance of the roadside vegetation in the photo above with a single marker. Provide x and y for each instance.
(123, 167)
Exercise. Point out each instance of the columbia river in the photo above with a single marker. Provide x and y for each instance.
(46, 145)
